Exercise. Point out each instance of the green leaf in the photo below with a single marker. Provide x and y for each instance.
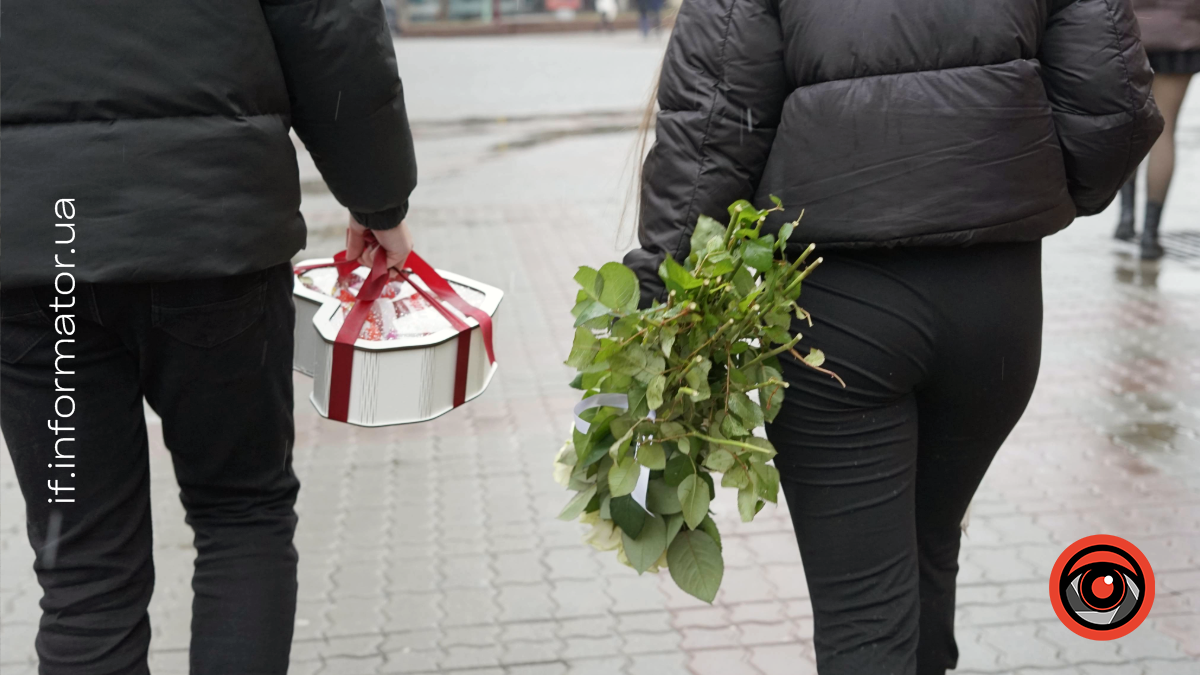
(589, 281)
(777, 335)
(625, 327)
(655, 364)
(743, 211)
(694, 498)
(630, 361)
(672, 429)
(619, 290)
(815, 358)
(668, 339)
(706, 229)
(577, 382)
(590, 381)
(731, 428)
(747, 504)
(719, 264)
(674, 524)
(747, 410)
(575, 507)
(649, 545)
(637, 402)
(780, 317)
(623, 477)
(757, 255)
(654, 392)
(619, 448)
(770, 397)
(588, 311)
(607, 349)
(584, 349)
(766, 481)
(694, 560)
(697, 379)
(676, 277)
(767, 450)
(743, 281)
(785, 232)
(709, 527)
(662, 498)
(594, 504)
(685, 445)
(720, 460)
(736, 477)
(652, 456)
(748, 301)
(679, 466)
(627, 514)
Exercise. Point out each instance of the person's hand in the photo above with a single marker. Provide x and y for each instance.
(396, 241)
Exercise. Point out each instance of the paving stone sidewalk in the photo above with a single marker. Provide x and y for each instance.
(433, 548)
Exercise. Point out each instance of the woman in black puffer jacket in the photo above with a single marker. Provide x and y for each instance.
(932, 144)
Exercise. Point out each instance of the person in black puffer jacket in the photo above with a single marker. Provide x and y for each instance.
(151, 208)
(931, 145)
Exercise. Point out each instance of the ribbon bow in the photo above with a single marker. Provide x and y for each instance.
(439, 294)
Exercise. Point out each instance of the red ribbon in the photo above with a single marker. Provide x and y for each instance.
(344, 267)
(440, 294)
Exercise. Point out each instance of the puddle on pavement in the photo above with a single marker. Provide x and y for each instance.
(1168, 276)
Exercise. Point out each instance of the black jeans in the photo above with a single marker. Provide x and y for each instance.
(213, 358)
(940, 350)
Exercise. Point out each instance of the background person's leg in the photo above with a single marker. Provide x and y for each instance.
(93, 555)
(221, 378)
(1126, 229)
(989, 351)
(1169, 92)
(847, 459)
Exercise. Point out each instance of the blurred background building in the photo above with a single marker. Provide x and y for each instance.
(458, 17)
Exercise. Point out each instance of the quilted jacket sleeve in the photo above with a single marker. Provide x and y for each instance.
(1098, 81)
(347, 102)
(720, 96)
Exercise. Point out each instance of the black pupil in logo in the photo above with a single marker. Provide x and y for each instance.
(1102, 595)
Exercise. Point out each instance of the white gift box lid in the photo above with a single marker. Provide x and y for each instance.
(400, 380)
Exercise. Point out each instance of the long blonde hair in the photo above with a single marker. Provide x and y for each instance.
(633, 192)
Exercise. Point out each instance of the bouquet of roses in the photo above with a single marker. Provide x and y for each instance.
(674, 393)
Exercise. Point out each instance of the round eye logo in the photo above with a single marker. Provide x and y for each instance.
(1102, 587)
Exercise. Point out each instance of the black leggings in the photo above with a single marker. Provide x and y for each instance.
(939, 349)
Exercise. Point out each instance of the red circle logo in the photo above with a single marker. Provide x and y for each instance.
(1102, 587)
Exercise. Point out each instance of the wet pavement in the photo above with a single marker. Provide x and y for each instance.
(433, 548)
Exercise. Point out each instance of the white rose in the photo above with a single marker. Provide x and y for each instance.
(604, 536)
(564, 463)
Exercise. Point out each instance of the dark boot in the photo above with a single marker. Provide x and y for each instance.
(1151, 250)
(1125, 228)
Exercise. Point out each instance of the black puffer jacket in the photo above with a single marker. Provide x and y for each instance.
(907, 122)
(167, 122)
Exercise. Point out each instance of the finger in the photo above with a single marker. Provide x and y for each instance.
(367, 258)
(354, 243)
(396, 259)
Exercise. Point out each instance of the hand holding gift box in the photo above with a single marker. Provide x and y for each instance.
(387, 351)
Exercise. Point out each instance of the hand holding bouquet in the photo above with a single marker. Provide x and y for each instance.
(693, 378)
